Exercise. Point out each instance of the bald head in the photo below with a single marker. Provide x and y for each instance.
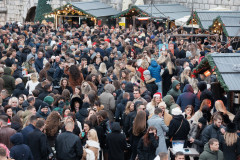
(69, 126)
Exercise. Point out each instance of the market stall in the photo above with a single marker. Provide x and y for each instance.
(226, 68)
(92, 13)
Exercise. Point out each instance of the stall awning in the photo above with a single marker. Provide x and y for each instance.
(205, 18)
(93, 8)
(173, 11)
(226, 66)
(230, 25)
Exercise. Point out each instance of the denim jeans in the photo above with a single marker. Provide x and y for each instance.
(159, 84)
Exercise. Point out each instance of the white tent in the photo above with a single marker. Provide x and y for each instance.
(183, 22)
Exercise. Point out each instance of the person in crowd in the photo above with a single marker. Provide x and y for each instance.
(37, 142)
(188, 113)
(166, 116)
(148, 144)
(161, 156)
(64, 84)
(231, 144)
(9, 81)
(179, 156)
(155, 70)
(221, 109)
(150, 82)
(20, 88)
(31, 84)
(20, 151)
(206, 103)
(68, 145)
(179, 126)
(121, 108)
(5, 132)
(167, 76)
(157, 98)
(4, 153)
(214, 130)
(170, 103)
(211, 151)
(175, 91)
(116, 143)
(43, 111)
(157, 121)
(186, 98)
(137, 97)
(39, 62)
(30, 128)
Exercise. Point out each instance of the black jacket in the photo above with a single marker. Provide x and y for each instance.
(212, 131)
(151, 86)
(37, 142)
(120, 109)
(68, 146)
(231, 152)
(20, 89)
(175, 124)
(128, 89)
(116, 143)
(166, 81)
(147, 152)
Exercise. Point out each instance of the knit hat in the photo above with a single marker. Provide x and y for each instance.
(146, 72)
(44, 105)
(231, 128)
(202, 120)
(176, 111)
(158, 94)
(49, 100)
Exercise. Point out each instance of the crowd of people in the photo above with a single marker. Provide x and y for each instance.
(110, 93)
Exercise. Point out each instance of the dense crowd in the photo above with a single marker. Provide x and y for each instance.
(110, 93)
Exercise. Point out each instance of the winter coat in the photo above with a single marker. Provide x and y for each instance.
(58, 74)
(210, 155)
(147, 152)
(197, 144)
(5, 134)
(151, 108)
(147, 96)
(9, 81)
(82, 114)
(174, 92)
(120, 109)
(168, 99)
(158, 123)
(212, 131)
(108, 100)
(155, 71)
(151, 86)
(39, 64)
(68, 146)
(175, 124)
(186, 98)
(166, 81)
(20, 89)
(231, 152)
(37, 142)
(116, 143)
(41, 114)
(20, 151)
(128, 89)
(28, 129)
(91, 147)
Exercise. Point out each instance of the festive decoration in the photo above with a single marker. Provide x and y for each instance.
(196, 20)
(134, 10)
(218, 26)
(208, 64)
(43, 7)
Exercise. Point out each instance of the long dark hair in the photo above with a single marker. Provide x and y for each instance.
(74, 72)
(146, 140)
(139, 124)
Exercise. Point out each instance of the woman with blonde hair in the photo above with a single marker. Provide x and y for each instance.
(31, 84)
(13, 102)
(103, 69)
(92, 146)
(157, 98)
(91, 69)
(221, 109)
(185, 77)
(231, 144)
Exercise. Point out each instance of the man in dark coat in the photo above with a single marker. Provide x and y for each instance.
(121, 107)
(37, 141)
(116, 143)
(9, 81)
(129, 89)
(39, 62)
(20, 88)
(5, 131)
(20, 151)
(187, 97)
(214, 130)
(68, 145)
(46, 92)
(28, 129)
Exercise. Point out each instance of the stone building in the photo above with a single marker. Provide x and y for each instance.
(24, 10)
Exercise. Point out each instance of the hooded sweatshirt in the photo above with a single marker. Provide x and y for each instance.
(187, 97)
(20, 151)
(208, 154)
(155, 71)
(9, 81)
(174, 92)
(168, 99)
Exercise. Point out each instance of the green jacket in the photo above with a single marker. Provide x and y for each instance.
(174, 92)
(207, 154)
(9, 81)
(168, 99)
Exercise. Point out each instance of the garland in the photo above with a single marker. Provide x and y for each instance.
(195, 16)
(221, 22)
(208, 63)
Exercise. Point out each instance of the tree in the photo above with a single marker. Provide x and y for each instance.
(42, 8)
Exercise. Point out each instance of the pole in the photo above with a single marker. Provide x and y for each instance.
(192, 22)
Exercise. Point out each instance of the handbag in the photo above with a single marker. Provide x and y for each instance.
(176, 131)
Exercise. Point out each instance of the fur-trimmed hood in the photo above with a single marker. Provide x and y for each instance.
(151, 80)
(92, 143)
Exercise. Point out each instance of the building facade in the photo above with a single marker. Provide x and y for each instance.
(24, 10)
